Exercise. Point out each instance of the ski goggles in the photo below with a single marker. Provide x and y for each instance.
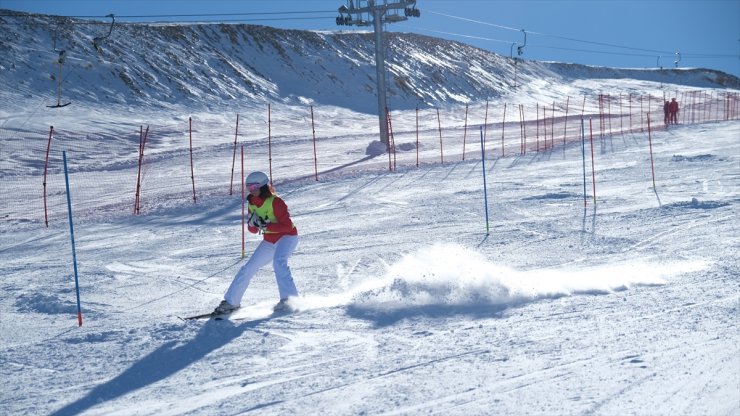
(252, 187)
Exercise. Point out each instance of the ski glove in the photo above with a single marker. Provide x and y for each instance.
(257, 222)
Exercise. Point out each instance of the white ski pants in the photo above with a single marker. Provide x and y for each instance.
(265, 252)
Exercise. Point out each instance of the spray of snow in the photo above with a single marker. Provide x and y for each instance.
(449, 274)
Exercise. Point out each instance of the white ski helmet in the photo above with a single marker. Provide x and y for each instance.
(257, 178)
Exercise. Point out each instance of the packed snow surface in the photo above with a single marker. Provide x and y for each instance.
(628, 305)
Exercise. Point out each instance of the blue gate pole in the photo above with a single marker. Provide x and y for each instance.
(72, 234)
(485, 188)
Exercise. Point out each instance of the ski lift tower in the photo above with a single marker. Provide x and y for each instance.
(360, 13)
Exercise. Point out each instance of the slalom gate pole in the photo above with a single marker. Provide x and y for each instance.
(544, 124)
(552, 126)
(315, 158)
(465, 130)
(417, 137)
(242, 186)
(537, 125)
(593, 170)
(46, 168)
(565, 129)
(192, 172)
(439, 127)
(138, 175)
(72, 235)
(503, 127)
(269, 139)
(485, 125)
(233, 160)
(650, 141)
(485, 187)
(583, 157)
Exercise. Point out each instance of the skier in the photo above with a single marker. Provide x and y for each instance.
(674, 111)
(268, 214)
(667, 113)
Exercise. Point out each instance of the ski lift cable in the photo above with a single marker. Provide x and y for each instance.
(547, 35)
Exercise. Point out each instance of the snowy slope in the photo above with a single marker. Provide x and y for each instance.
(629, 306)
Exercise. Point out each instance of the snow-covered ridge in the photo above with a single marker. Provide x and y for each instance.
(216, 66)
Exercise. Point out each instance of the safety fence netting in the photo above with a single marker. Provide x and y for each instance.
(127, 169)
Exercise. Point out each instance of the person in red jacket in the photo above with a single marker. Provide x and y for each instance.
(268, 215)
(667, 113)
(673, 108)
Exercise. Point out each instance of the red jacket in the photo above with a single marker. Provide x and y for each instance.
(673, 106)
(283, 226)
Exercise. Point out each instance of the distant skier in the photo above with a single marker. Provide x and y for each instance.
(674, 111)
(667, 113)
(268, 214)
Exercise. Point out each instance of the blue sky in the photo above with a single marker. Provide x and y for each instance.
(624, 33)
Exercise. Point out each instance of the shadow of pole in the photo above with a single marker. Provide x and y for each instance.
(161, 363)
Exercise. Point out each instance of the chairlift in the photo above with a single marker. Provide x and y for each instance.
(99, 39)
(60, 61)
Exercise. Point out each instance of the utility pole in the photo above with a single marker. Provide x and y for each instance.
(359, 13)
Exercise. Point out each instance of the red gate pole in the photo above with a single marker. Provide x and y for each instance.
(417, 137)
(315, 158)
(46, 168)
(593, 170)
(242, 187)
(524, 129)
(650, 140)
(544, 123)
(233, 161)
(552, 126)
(391, 138)
(465, 130)
(503, 128)
(439, 126)
(609, 112)
(630, 111)
(269, 139)
(537, 124)
(192, 172)
(142, 146)
(565, 130)
(138, 175)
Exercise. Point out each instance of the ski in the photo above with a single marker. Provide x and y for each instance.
(201, 316)
(216, 316)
